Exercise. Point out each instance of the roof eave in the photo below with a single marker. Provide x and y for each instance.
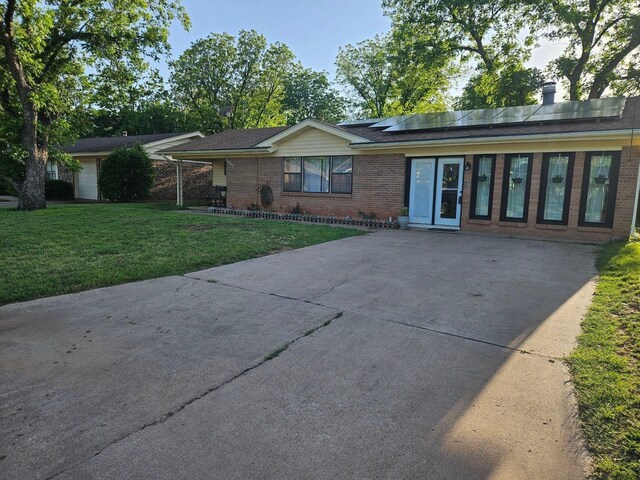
(623, 134)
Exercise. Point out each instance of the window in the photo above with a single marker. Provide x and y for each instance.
(341, 174)
(318, 174)
(515, 187)
(599, 184)
(292, 174)
(555, 188)
(52, 170)
(482, 186)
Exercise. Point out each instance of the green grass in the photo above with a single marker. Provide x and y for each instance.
(606, 365)
(69, 248)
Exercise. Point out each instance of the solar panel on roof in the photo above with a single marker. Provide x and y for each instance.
(447, 119)
(365, 121)
(577, 110)
(419, 121)
(388, 122)
(478, 117)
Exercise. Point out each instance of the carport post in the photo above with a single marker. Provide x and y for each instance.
(179, 197)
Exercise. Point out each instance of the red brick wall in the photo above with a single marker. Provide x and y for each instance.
(196, 178)
(378, 186)
(623, 212)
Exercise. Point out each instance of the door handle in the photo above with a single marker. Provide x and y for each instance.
(460, 200)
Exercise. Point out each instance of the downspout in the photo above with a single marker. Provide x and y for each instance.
(633, 233)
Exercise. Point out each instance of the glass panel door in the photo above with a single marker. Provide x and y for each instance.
(449, 188)
(421, 191)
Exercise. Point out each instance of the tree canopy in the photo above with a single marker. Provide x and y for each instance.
(48, 48)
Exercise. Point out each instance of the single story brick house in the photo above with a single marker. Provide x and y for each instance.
(567, 170)
(197, 176)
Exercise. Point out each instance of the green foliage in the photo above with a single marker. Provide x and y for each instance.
(48, 48)
(309, 94)
(126, 175)
(511, 85)
(605, 365)
(108, 244)
(58, 190)
(6, 187)
(603, 44)
(386, 81)
(229, 82)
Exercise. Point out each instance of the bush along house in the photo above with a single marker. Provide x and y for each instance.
(566, 170)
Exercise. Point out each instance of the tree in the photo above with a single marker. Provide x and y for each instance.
(603, 44)
(126, 175)
(230, 82)
(494, 36)
(309, 94)
(512, 85)
(387, 82)
(46, 48)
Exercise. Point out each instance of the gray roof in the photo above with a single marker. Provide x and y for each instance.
(228, 140)
(248, 138)
(107, 144)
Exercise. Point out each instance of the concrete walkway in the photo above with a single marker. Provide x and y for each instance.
(393, 355)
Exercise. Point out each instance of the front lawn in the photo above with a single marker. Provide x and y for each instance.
(606, 365)
(68, 248)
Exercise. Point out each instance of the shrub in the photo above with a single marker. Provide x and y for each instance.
(126, 175)
(6, 187)
(58, 190)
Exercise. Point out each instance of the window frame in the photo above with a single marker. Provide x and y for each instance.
(331, 174)
(55, 170)
(474, 187)
(505, 188)
(350, 192)
(300, 174)
(542, 196)
(614, 173)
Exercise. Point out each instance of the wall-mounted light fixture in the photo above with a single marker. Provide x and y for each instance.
(467, 166)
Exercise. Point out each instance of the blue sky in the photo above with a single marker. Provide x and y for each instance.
(312, 29)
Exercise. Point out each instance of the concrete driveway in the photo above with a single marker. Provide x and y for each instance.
(392, 355)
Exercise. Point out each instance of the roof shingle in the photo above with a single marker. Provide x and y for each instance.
(107, 144)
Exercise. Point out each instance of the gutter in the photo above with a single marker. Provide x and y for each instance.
(237, 151)
(539, 137)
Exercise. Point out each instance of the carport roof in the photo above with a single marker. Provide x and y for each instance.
(106, 144)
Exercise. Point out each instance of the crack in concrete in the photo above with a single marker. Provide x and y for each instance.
(182, 406)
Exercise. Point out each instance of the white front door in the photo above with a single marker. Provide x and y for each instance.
(448, 191)
(421, 190)
(88, 180)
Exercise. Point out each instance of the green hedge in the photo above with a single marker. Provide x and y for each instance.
(58, 190)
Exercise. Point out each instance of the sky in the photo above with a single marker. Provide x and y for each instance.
(312, 29)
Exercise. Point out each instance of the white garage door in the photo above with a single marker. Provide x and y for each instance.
(88, 181)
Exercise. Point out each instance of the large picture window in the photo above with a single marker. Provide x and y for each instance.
(516, 184)
(482, 186)
(555, 188)
(318, 174)
(599, 184)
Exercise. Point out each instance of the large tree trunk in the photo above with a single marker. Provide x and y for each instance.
(31, 195)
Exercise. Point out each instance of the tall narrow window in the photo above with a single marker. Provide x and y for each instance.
(316, 174)
(341, 174)
(515, 188)
(52, 170)
(555, 188)
(482, 186)
(599, 185)
(292, 181)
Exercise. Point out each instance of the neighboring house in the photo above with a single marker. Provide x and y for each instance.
(91, 151)
(563, 170)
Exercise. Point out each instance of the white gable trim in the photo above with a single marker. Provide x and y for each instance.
(311, 123)
(184, 136)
